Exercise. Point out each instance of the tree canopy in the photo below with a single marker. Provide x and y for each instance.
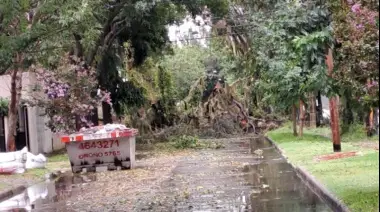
(276, 49)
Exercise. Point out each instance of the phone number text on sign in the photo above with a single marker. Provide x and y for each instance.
(99, 154)
(99, 144)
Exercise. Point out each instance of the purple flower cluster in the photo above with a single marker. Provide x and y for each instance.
(372, 84)
(359, 26)
(356, 8)
(57, 90)
(52, 87)
(68, 90)
(364, 16)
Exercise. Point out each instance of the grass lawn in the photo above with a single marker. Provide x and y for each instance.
(354, 180)
(56, 161)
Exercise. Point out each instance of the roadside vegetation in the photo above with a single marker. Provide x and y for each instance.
(354, 180)
(248, 67)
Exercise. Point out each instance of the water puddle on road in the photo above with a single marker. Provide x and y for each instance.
(43, 196)
(279, 187)
(207, 182)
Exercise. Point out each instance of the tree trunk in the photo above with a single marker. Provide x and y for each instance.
(370, 123)
(302, 117)
(16, 87)
(370, 116)
(319, 109)
(294, 119)
(348, 116)
(107, 116)
(334, 119)
(334, 111)
(313, 114)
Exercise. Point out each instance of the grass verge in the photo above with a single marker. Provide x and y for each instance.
(354, 180)
(56, 161)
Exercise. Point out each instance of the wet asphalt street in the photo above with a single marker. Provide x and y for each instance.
(247, 175)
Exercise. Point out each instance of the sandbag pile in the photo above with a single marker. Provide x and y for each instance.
(16, 162)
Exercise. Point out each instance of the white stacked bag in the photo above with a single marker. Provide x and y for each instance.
(13, 162)
(35, 161)
(17, 162)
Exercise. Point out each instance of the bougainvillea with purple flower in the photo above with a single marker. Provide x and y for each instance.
(68, 94)
(356, 29)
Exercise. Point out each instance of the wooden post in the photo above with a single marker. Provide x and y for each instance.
(334, 112)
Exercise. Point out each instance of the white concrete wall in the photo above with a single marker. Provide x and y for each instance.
(42, 140)
(28, 82)
(51, 141)
(6, 130)
(33, 132)
(57, 144)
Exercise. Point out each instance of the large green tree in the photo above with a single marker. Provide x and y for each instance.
(141, 24)
(356, 28)
(34, 31)
(26, 27)
(287, 43)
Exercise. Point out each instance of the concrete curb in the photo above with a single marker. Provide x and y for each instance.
(314, 185)
(12, 192)
(321, 191)
(277, 147)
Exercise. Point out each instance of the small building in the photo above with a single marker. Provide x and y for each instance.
(31, 131)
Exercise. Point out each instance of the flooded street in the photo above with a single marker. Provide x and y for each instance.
(247, 175)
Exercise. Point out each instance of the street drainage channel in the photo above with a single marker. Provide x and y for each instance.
(280, 187)
(273, 186)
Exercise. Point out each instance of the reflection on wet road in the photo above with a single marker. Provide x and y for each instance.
(248, 175)
(47, 195)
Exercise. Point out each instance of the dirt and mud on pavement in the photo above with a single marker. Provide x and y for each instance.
(247, 175)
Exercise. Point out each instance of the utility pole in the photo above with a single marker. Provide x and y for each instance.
(334, 112)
